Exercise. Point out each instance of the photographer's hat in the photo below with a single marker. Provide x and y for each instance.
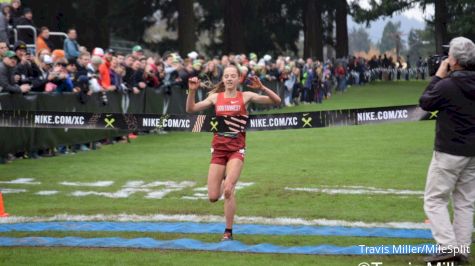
(19, 45)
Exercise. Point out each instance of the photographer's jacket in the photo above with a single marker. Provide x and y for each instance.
(454, 98)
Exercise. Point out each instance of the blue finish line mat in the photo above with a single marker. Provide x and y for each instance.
(217, 228)
(229, 246)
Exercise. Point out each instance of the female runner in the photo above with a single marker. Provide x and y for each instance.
(228, 148)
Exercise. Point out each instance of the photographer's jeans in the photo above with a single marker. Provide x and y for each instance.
(450, 177)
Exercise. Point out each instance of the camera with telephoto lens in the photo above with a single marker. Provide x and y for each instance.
(433, 62)
(25, 80)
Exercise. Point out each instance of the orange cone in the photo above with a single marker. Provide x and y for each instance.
(2, 210)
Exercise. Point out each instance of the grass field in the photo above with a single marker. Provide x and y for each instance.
(388, 156)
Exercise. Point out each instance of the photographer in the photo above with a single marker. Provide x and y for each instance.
(451, 173)
(93, 73)
(26, 68)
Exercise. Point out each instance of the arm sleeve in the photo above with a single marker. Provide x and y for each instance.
(432, 98)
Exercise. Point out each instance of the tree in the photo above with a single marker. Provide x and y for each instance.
(313, 30)
(233, 27)
(420, 44)
(440, 20)
(186, 26)
(341, 29)
(461, 19)
(358, 40)
(391, 38)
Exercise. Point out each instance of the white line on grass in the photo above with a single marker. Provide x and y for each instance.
(133, 187)
(47, 192)
(358, 190)
(85, 184)
(12, 190)
(211, 218)
(26, 181)
(201, 193)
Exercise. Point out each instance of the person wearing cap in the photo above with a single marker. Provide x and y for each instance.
(20, 49)
(450, 183)
(105, 69)
(43, 40)
(7, 80)
(192, 55)
(71, 46)
(98, 51)
(137, 51)
(26, 67)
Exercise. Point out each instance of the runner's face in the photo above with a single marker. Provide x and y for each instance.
(230, 78)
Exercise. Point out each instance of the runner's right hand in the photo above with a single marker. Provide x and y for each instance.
(193, 83)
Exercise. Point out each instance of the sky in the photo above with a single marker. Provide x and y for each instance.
(416, 12)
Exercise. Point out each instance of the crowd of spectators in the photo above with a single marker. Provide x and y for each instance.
(73, 68)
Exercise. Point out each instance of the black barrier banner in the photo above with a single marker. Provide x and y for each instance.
(206, 123)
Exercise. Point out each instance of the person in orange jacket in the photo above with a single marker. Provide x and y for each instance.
(43, 42)
(104, 71)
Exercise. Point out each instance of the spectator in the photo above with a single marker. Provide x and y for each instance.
(98, 51)
(71, 46)
(93, 73)
(224, 61)
(212, 72)
(62, 81)
(3, 48)
(289, 84)
(104, 71)
(116, 74)
(7, 79)
(316, 81)
(136, 79)
(26, 35)
(137, 52)
(186, 72)
(43, 40)
(150, 76)
(81, 64)
(58, 55)
(43, 52)
(172, 67)
(44, 76)
(81, 83)
(120, 59)
(4, 18)
(340, 74)
(17, 10)
(26, 67)
(128, 62)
